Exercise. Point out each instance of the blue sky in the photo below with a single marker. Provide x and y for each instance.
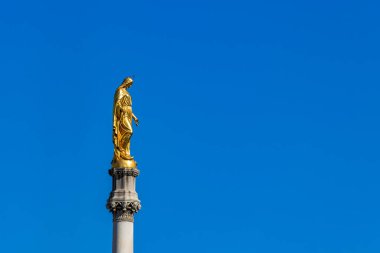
(259, 124)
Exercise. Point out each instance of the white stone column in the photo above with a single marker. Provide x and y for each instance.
(122, 237)
(123, 203)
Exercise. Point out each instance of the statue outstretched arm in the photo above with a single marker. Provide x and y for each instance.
(135, 119)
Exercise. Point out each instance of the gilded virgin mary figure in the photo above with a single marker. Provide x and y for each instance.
(122, 125)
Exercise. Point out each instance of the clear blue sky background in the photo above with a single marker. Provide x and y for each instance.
(259, 124)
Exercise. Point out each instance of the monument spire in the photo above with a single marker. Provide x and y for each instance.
(123, 201)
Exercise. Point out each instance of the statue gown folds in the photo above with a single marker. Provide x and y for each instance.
(122, 126)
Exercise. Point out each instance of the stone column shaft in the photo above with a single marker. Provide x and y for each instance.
(122, 237)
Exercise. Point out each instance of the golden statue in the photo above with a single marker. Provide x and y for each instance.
(122, 126)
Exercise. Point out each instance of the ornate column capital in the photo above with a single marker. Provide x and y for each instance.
(123, 201)
(124, 210)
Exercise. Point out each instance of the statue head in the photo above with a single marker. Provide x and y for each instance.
(127, 82)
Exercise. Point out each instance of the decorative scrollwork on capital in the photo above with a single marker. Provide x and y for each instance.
(124, 172)
(123, 210)
(123, 215)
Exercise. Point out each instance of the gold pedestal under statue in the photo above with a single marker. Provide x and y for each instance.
(130, 164)
(122, 126)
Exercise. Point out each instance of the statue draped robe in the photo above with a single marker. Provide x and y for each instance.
(122, 125)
